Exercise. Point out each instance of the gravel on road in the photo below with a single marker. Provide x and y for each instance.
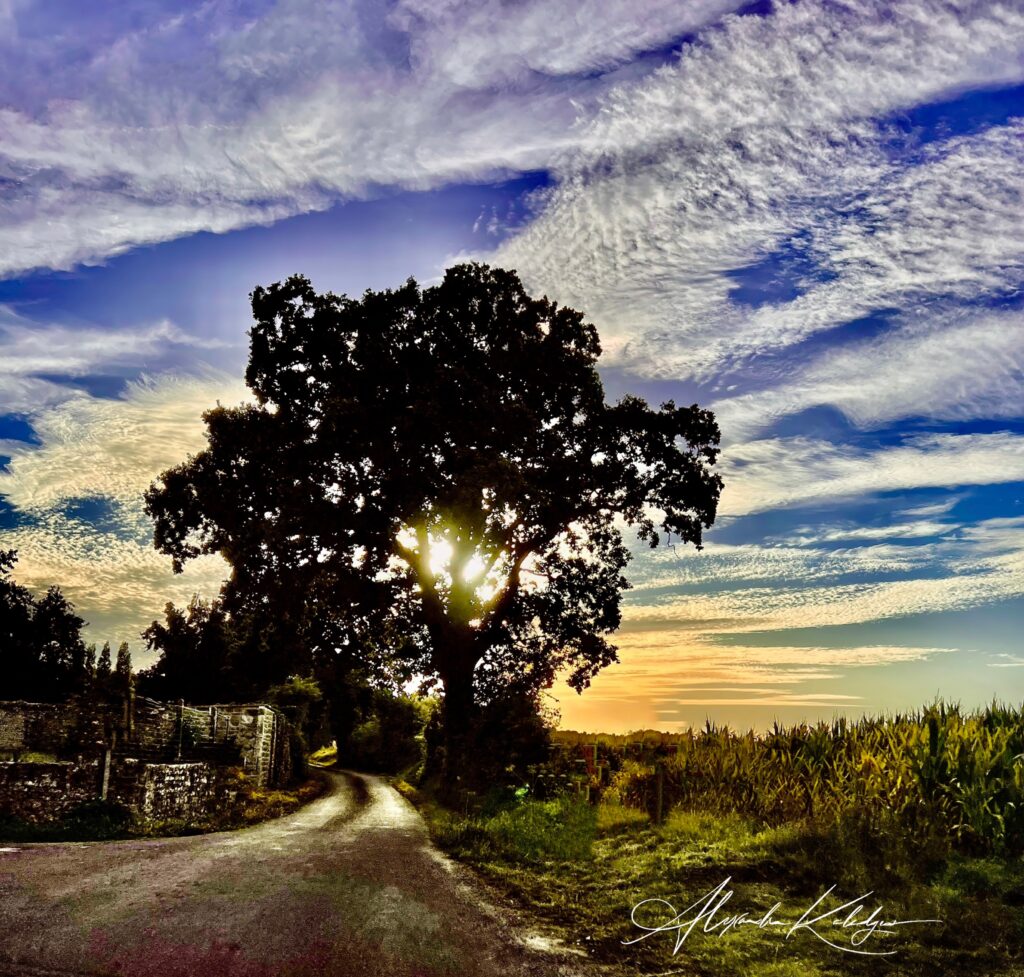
(348, 885)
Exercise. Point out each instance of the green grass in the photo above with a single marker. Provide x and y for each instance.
(583, 869)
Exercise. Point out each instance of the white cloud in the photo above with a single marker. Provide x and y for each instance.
(803, 580)
(794, 561)
(977, 579)
(1010, 661)
(779, 472)
(28, 348)
(217, 117)
(472, 42)
(109, 450)
(112, 448)
(852, 534)
(118, 585)
(768, 132)
(30, 352)
(951, 365)
(212, 119)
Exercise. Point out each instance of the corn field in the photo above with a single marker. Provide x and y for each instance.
(938, 776)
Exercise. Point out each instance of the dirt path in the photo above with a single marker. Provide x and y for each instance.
(349, 885)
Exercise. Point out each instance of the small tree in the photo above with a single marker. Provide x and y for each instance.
(123, 669)
(104, 668)
(441, 463)
(300, 698)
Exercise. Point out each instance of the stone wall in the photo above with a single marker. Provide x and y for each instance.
(184, 791)
(64, 729)
(43, 792)
(40, 792)
(162, 760)
(254, 729)
(153, 730)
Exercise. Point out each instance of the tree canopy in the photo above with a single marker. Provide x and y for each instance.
(439, 466)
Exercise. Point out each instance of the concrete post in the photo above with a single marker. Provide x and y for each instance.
(105, 784)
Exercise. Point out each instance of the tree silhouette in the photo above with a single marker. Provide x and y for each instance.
(195, 651)
(104, 668)
(42, 655)
(123, 670)
(440, 465)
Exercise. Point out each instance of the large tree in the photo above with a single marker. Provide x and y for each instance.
(440, 465)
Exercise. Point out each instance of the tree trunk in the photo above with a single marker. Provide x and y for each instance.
(458, 712)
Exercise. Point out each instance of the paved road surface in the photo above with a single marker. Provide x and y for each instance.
(349, 885)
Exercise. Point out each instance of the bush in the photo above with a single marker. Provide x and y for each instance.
(391, 739)
(301, 700)
(561, 830)
(97, 820)
(513, 737)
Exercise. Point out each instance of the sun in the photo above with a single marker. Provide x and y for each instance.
(440, 556)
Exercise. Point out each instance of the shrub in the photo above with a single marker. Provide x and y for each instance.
(97, 820)
(391, 739)
(561, 830)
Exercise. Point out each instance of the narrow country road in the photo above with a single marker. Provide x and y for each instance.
(349, 885)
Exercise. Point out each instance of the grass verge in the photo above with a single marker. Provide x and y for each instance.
(584, 868)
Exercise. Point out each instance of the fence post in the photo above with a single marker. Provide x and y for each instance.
(659, 797)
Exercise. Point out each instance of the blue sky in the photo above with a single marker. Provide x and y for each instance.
(805, 215)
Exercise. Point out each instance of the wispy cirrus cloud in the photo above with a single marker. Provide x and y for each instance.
(976, 579)
(473, 42)
(771, 134)
(938, 365)
(828, 575)
(29, 348)
(77, 496)
(779, 472)
(33, 354)
(111, 573)
(672, 679)
(112, 448)
(220, 115)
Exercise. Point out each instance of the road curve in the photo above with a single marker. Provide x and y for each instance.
(349, 885)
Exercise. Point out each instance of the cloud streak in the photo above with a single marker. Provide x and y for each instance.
(939, 366)
(225, 115)
(780, 472)
(771, 136)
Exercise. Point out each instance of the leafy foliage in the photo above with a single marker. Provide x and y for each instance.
(196, 656)
(390, 737)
